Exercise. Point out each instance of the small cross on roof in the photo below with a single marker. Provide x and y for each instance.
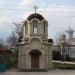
(35, 8)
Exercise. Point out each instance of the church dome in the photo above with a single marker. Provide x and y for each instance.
(35, 15)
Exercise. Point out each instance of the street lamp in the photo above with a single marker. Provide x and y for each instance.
(62, 55)
(62, 44)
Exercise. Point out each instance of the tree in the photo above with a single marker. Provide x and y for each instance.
(12, 42)
(18, 29)
(56, 55)
(3, 42)
(65, 47)
(16, 35)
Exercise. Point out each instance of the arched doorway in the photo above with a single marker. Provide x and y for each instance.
(35, 56)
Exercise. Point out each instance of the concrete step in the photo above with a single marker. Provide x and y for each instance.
(33, 70)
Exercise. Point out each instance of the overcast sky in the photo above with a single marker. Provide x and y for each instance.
(60, 14)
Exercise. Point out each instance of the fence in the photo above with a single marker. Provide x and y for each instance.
(2, 67)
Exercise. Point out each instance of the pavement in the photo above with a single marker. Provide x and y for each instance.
(63, 62)
(50, 72)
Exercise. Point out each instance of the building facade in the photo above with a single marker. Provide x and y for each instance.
(35, 49)
(66, 43)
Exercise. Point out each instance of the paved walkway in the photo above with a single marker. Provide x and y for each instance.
(64, 62)
(51, 72)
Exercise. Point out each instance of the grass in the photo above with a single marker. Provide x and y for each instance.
(63, 66)
(11, 65)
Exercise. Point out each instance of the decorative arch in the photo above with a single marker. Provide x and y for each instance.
(35, 52)
(35, 15)
(35, 58)
(35, 38)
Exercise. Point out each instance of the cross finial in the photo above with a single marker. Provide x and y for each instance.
(35, 8)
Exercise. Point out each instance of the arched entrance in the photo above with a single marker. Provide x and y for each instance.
(35, 56)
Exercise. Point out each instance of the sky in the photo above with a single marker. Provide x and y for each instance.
(60, 14)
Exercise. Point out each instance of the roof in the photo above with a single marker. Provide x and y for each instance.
(35, 15)
(4, 49)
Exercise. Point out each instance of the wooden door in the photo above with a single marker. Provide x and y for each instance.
(34, 61)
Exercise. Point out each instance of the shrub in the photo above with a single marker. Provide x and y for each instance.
(67, 58)
(56, 55)
(11, 65)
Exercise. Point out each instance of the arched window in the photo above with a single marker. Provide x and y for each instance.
(44, 29)
(26, 28)
(34, 23)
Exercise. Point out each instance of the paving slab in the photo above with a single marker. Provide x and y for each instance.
(51, 72)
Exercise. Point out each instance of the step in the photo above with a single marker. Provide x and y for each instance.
(33, 70)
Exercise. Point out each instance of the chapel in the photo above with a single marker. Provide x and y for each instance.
(35, 49)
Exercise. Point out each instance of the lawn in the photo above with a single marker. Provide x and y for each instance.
(63, 66)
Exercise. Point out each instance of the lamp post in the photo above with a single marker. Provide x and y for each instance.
(62, 44)
(62, 55)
